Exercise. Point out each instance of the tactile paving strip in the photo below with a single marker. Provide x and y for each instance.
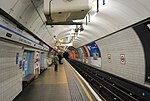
(75, 90)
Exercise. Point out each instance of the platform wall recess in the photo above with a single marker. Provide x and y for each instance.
(10, 74)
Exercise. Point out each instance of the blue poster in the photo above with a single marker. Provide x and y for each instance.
(17, 58)
(93, 50)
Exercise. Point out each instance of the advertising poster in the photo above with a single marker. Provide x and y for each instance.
(95, 54)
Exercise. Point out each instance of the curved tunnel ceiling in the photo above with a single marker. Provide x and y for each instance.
(113, 16)
(117, 15)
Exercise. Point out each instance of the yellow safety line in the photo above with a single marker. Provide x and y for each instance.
(82, 85)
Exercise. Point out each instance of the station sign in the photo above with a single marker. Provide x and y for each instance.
(11, 32)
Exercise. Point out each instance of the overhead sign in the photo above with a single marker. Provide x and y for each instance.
(15, 34)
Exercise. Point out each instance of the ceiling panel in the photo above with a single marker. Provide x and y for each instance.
(8, 5)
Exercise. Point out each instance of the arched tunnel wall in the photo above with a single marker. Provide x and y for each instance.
(144, 34)
(126, 53)
(127, 43)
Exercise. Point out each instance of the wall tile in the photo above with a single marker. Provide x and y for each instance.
(10, 75)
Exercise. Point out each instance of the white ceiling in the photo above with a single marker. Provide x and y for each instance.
(114, 15)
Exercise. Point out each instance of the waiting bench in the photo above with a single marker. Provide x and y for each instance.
(27, 80)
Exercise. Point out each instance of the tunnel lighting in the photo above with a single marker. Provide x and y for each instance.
(78, 20)
(103, 2)
(61, 40)
(55, 47)
(81, 28)
(72, 31)
(77, 29)
(54, 38)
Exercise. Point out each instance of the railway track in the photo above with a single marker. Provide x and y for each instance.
(106, 89)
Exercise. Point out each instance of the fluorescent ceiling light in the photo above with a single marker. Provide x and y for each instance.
(61, 40)
(72, 31)
(78, 20)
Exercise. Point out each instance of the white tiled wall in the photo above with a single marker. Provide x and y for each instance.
(45, 59)
(10, 74)
(124, 42)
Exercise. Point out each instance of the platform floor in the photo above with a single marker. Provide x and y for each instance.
(62, 85)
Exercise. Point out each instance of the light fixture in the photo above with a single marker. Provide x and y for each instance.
(77, 29)
(72, 31)
(54, 37)
(81, 20)
(81, 28)
(61, 40)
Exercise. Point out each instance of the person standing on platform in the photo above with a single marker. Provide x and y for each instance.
(66, 55)
(60, 58)
(56, 61)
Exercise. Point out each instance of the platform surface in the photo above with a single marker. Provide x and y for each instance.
(52, 85)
